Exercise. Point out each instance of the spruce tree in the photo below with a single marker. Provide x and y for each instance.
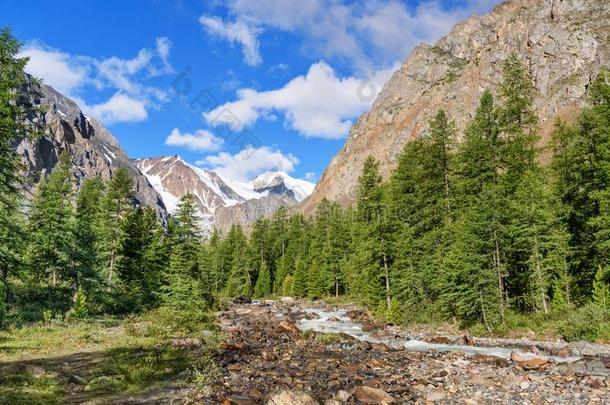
(240, 279)
(50, 248)
(538, 237)
(88, 206)
(262, 287)
(132, 268)
(13, 126)
(115, 205)
(299, 283)
(184, 289)
(582, 162)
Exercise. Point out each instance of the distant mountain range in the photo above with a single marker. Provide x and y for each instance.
(158, 182)
(221, 201)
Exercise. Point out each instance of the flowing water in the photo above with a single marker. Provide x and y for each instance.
(338, 322)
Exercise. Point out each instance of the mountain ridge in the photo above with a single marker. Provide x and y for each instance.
(563, 43)
(240, 202)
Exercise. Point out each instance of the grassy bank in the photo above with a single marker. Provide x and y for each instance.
(108, 360)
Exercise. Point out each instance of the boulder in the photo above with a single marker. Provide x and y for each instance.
(290, 397)
(371, 395)
(533, 363)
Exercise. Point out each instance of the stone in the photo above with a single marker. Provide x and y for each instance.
(489, 359)
(436, 394)
(289, 327)
(290, 397)
(439, 340)
(464, 340)
(371, 395)
(528, 363)
(287, 300)
(343, 395)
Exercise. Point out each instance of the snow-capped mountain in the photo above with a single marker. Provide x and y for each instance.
(280, 182)
(221, 201)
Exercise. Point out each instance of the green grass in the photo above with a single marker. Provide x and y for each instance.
(108, 357)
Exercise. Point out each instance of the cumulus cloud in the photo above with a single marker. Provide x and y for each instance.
(72, 74)
(237, 32)
(200, 140)
(318, 104)
(56, 67)
(119, 108)
(369, 34)
(249, 162)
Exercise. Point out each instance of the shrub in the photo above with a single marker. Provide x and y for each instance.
(589, 322)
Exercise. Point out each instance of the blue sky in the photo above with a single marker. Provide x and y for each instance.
(238, 86)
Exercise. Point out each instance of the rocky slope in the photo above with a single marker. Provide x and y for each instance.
(564, 43)
(92, 148)
(221, 202)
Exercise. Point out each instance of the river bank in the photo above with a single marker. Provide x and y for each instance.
(349, 358)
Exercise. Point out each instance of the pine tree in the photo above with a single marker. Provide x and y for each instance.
(538, 237)
(88, 206)
(13, 126)
(115, 205)
(184, 279)
(240, 279)
(582, 164)
(50, 249)
(263, 282)
(299, 284)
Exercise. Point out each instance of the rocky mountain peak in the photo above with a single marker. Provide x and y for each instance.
(92, 148)
(564, 43)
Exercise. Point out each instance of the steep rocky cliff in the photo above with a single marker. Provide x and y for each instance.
(92, 148)
(564, 43)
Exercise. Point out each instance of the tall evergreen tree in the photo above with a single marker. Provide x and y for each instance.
(88, 206)
(50, 250)
(13, 126)
(115, 205)
(262, 287)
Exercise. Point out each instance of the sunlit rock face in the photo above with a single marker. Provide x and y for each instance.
(92, 148)
(563, 43)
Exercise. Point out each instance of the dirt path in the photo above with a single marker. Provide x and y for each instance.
(265, 352)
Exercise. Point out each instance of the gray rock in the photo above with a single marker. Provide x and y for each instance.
(92, 148)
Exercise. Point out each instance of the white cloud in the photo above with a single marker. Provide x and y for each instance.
(72, 74)
(56, 67)
(236, 32)
(119, 108)
(318, 104)
(201, 140)
(371, 34)
(250, 162)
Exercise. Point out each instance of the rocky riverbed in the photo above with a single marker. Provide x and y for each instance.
(268, 357)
